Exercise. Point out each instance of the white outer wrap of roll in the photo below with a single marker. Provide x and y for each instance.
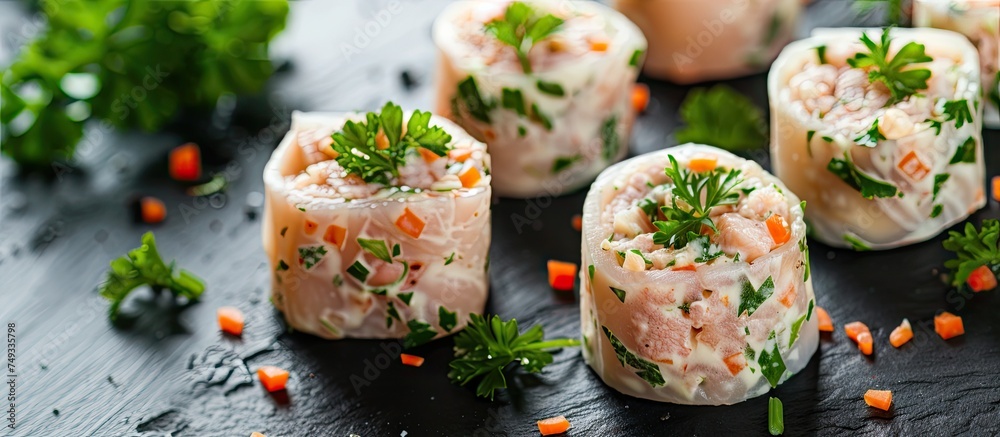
(978, 20)
(590, 125)
(838, 215)
(701, 341)
(698, 40)
(324, 298)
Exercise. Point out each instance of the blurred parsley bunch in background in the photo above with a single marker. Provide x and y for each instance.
(130, 64)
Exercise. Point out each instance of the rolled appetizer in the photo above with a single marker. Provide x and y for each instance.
(978, 20)
(879, 132)
(696, 286)
(696, 41)
(377, 225)
(548, 85)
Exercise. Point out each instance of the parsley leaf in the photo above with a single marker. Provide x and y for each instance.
(551, 88)
(871, 137)
(699, 192)
(563, 162)
(619, 293)
(647, 370)
(751, 298)
(610, 142)
(376, 248)
(722, 117)
(901, 82)
(420, 333)
(965, 153)
(475, 104)
(939, 180)
(867, 185)
(144, 266)
(521, 28)
(771, 364)
(486, 347)
(973, 249)
(446, 319)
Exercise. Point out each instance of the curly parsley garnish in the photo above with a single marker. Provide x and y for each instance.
(694, 196)
(521, 27)
(973, 250)
(901, 82)
(722, 117)
(143, 266)
(485, 348)
(374, 149)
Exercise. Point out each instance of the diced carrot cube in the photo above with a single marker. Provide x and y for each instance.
(257, 434)
(599, 44)
(703, 164)
(689, 267)
(152, 210)
(381, 141)
(553, 425)
(428, 156)
(865, 342)
(912, 166)
(778, 228)
(230, 320)
(185, 162)
(982, 279)
(577, 222)
(410, 224)
(881, 399)
(470, 177)
(735, 362)
(272, 378)
(902, 334)
(460, 155)
(311, 227)
(640, 97)
(561, 275)
(854, 328)
(948, 325)
(335, 235)
(823, 320)
(995, 184)
(411, 360)
(788, 297)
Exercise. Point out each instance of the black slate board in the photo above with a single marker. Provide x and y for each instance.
(170, 372)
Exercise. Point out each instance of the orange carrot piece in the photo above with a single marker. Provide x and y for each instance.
(902, 334)
(561, 275)
(640, 97)
(735, 362)
(689, 267)
(257, 434)
(152, 210)
(912, 166)
(881, 399)
(865, 342)
(854, 328)
(824, 321)
(599, 45)
(460, 155)
(703, 164)
(470, 177)
(185, 162)
(428, 156)
(410, 224)
(778, 228)
(553, 425)
(272, 378)
(411, 360)
(381, 141)
(788, 297)
(948, 325)
(995, 183)
(335, 235)
(311, 227)
(577, 222)
(230, 320)
(982, 279)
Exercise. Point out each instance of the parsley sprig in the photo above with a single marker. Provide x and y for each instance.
(722, 117)
(973, 249)
(521, 27)
(374, 149)
(902, 82)
(144, 266)
(698, 193)
(486, 348)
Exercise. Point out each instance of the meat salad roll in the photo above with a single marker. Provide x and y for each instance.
(696, 285)
(547, 84)
(377, 225)
(978, 20)
(695, 41)
(879, 133)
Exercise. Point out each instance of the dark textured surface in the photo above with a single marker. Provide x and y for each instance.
(170, 372)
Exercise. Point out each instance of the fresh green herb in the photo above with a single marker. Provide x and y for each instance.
(973, 249)
(796, 326)
(486, 347)
(804, 248)
(871, 137)
(391, 314)
(144, 266)
(447, 320)
(827, 138)
(893, 9)
(358, 145)
(521, 28)
(939, 180)
(809, 312)
(620, 293)
(329, 326)
(706, 254)
(129, 64)
(379, 292)
(775, 417)
(513, 99)
(965, 153)
(551, 88)
(856, 243)
(821, 54)
(477, 106)
(700, 192)
(521, 131)
(685, 307)
(958, 110)
(396, 250)
(867, 185)
(376, 248)
(282, 266)
(420, 333)
(722, 117)
(636, 58)
(590, 272)
(405, 297)
(936, 210)
(752, 298)
(449, 259)
(311, 255)
(895, 74)
(746, 330)
(563, 162)
(771, 365)
(648, 206)
(647, 370)
(338, 280)
(358, 271)
(610, 142)
(538, 117)
(644, 259)
(749, 352)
